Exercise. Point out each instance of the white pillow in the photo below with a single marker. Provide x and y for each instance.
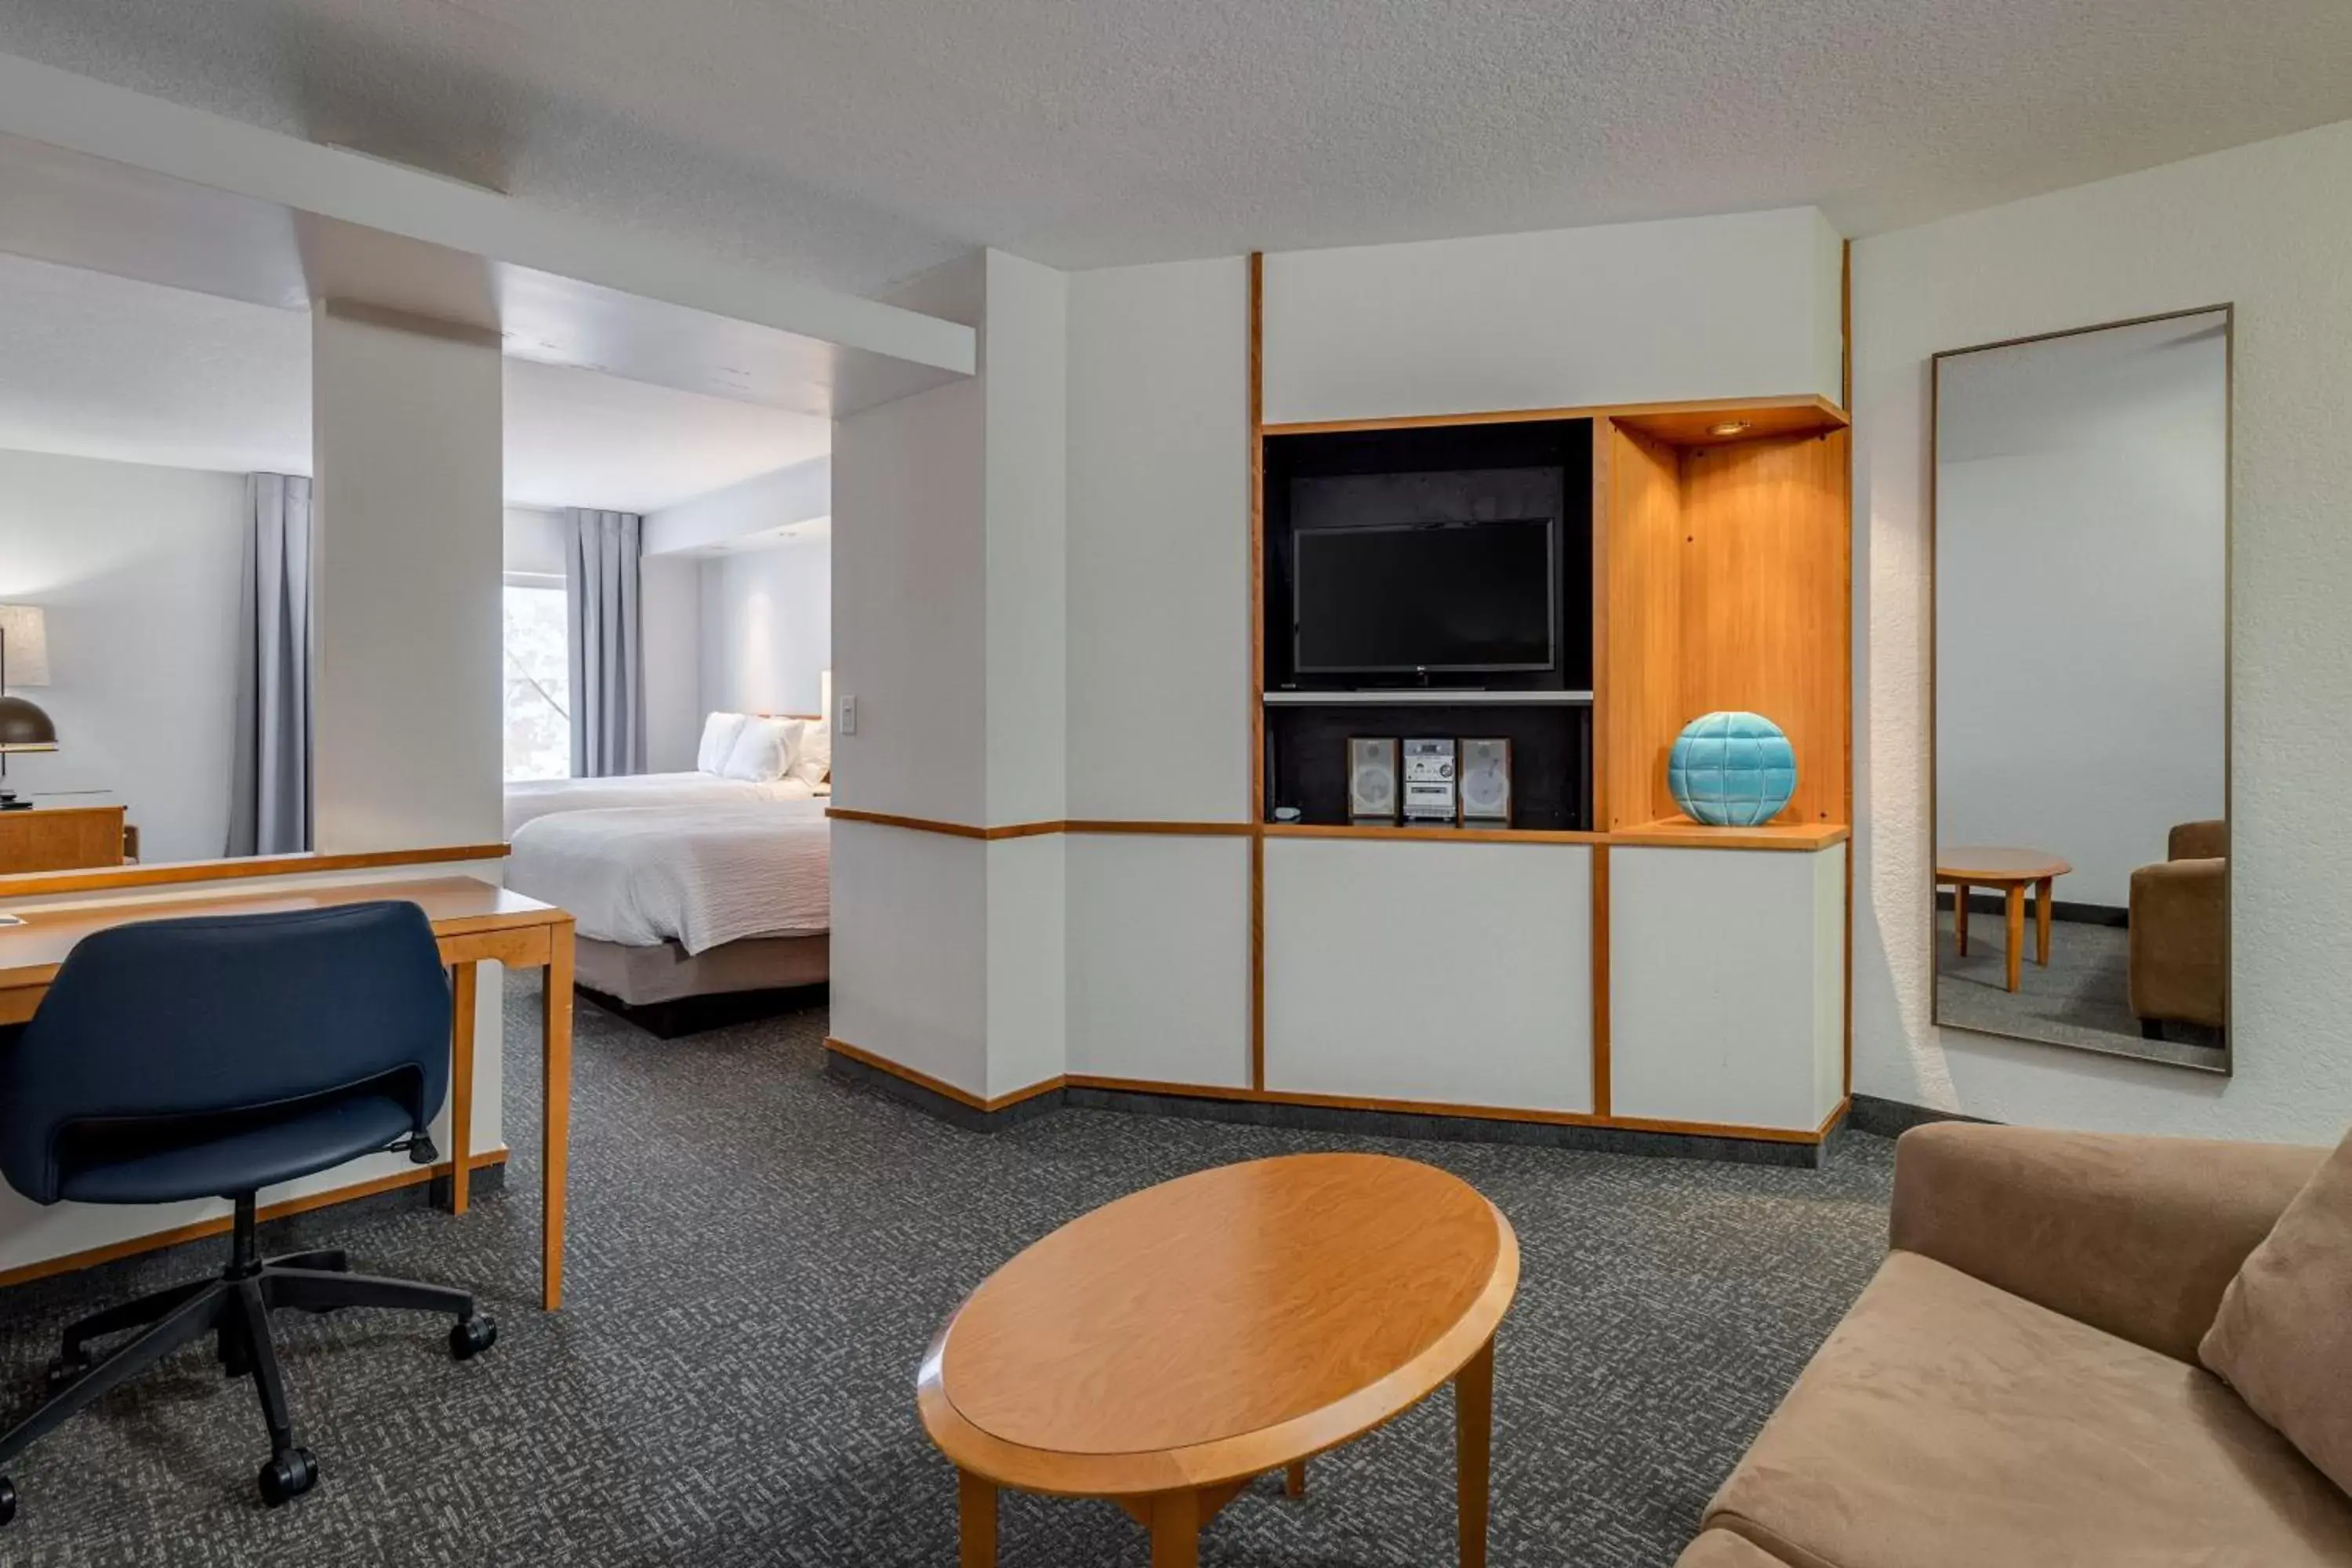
(813, 758)
(719, 732)
(763, 752)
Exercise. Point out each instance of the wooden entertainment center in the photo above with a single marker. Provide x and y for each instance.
(1435, 968)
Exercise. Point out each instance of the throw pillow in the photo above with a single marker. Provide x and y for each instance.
(2282, 1338)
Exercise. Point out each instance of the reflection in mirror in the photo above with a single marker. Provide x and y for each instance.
(142, 430)
(2081, 689)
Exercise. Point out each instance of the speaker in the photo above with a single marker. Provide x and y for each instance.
(1486, 780)
(1372, 776)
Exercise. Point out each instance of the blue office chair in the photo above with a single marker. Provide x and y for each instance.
(211, 1058)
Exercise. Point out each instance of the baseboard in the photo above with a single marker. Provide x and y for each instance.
(1445, 1129)
(960, 1108)
(1893, 1118)
(2061, 909)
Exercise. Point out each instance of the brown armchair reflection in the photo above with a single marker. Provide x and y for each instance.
(2181, 931)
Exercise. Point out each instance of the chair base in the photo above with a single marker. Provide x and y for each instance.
(233, 1312)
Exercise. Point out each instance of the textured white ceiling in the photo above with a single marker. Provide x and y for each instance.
(100, 366)
(854, 141)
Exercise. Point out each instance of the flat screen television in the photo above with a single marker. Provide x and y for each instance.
(1435, 597)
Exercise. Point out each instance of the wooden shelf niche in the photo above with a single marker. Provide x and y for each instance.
(1724, 580)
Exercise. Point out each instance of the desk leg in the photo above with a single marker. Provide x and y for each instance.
(556, 1065)
(2042, 921)
(976, 1504)
(2016, 930)
(1473, 1436)
(1293, 1479)
(464, 979)
(1176, 1530)
(1960, 916)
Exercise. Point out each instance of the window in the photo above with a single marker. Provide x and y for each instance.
(538, 681)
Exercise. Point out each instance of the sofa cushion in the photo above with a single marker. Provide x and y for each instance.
(2284, 1336)
(1948, 1424)
(1722, 1549)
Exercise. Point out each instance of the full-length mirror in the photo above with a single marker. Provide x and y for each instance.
(2082, 743)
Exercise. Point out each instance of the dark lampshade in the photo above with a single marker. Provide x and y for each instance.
(24, 727)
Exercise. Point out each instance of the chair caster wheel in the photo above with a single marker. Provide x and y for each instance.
(7, 1500)
(288, 1476)
(471, 1337)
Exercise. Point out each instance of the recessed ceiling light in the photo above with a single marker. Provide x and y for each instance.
(1728, 427)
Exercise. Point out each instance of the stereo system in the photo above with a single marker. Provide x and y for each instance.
(1429, 779)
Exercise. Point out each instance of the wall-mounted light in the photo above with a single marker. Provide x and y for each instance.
(1729, 427)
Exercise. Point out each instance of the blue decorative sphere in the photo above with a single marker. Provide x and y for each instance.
(1732, 770)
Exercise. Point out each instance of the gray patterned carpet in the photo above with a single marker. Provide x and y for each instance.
(759, 1256)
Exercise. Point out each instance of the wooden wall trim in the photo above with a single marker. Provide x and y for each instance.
(1257, 798)
(132, 1247)
(1262, 1096)
(40, 884)
(940, 1087)
(1808, 411)
(1669, 834)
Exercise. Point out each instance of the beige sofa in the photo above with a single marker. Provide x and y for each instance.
(2019, 1384)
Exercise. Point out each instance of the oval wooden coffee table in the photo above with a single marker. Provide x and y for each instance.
(1967, 865)
(1169, 1348)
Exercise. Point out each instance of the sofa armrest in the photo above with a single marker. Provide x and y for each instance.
(2180, 941)
(2139, 1236)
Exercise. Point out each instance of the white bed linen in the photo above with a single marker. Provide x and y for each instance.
(697, 875)
(527, 799)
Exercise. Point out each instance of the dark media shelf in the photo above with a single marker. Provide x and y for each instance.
(1321, 482)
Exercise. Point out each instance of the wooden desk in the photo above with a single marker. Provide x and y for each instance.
(68, 837)
(473, 921)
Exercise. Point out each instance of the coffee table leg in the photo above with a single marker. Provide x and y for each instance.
(1960, 916)
(976, 1502)
(1293, 1479)
(2016, 930)
(1176, 1530)
(1473, 1435)
(2042, 921)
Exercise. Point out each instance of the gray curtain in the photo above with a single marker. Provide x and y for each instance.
(269, 789)
(608, 682)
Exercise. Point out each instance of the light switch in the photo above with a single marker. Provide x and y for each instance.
(848, 725)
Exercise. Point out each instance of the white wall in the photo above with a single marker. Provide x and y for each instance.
(2082, 580)
(2249, 226)
(765, 505)
(139, 571)
(408, 473)
(1740, 306)
(1158, 543)
(532, 541)
(766, 625)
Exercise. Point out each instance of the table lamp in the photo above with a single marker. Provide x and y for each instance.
(23, 661)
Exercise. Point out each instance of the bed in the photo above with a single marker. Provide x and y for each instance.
(528, 800)
(730, 899)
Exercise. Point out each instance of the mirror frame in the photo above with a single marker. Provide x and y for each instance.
(2129, 1050)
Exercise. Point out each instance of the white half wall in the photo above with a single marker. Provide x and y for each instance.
(2244, 226)
(138, 571)
(1158, 958)
(1739, 306)
(767, 626)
